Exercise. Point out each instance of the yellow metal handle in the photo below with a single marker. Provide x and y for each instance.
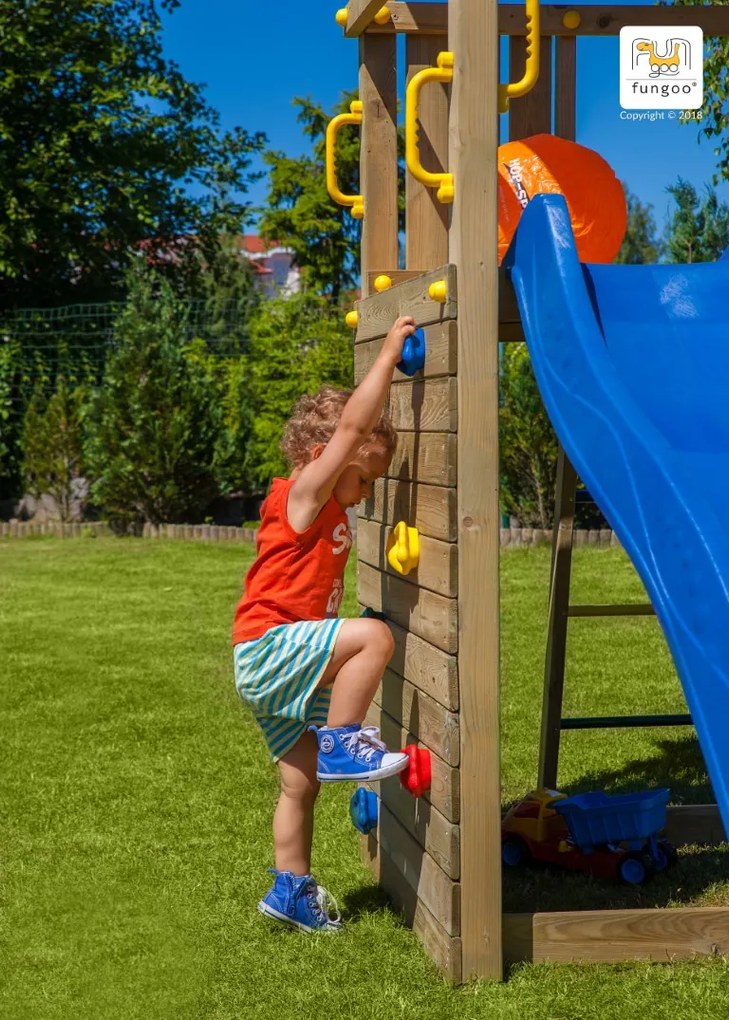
(403, 548)
(355, 202)
(442, 73)
(531, 70)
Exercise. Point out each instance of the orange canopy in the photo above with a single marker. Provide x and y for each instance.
(594, 195)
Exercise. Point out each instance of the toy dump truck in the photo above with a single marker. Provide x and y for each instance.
(613, 837)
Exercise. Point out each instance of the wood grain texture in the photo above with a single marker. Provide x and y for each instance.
(473, 38)
(441, 354)
(428, 668)
(378, 161)
(437, 569)
(426, 219)
(428, 457)
(430, 616)
(436, 727)
(444, 792)
(359, 16)
(378, 311)
(615, 936)
(429, 508)
(429, 405)
(443, 949)
(438, 837)
(530, 114)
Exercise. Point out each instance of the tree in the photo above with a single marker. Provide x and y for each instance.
(528, 445)
(640, 245)
(698, 230)
(300, 214)
(106, 147)
(154, 429)
(297, 345)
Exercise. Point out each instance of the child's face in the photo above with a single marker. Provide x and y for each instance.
(355, 482)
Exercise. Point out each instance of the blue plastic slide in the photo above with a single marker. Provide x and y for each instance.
(633, 366)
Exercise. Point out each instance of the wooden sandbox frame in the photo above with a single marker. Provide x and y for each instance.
(439, 857)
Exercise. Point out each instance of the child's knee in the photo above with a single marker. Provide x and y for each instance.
(381, 642)
(302, 788)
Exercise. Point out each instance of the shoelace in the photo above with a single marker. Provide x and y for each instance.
(357, 742)
(328, 905)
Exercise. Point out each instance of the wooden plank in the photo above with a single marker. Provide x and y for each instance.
(430, 616)
(425, 666)
(557, 619)
(616, 936)
(429, 405)
(378, 152)
(378, 311)
(694, 823)
(396, 275)
(473, 38)
(432, 18)
(440, 353)
(565, 87)
(438, 567)
(439, 837)
(429, 508)
(440, 894)
(530, 114)
(444, 792)
(426, 219)
(429, 457)
(359, 16)
(436, 727)
(444, 950)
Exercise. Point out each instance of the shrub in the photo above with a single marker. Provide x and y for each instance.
(528, 443)
(53, 461)
(156, 418)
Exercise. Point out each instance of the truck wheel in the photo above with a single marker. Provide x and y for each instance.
(665, 855)
(636, 868)
(514, 852)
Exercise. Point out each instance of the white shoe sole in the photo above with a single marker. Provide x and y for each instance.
(355, 777)
(271, 912)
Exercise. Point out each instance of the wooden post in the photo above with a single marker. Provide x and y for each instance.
(473, 38)
(378, 159)
(426, 219)
(530, 114)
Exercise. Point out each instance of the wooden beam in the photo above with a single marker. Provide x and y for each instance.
(425, 666)
(565, 87)
(359, 16)
(438, 837)
(687, 824)
(473, 39)
(444, 792)
(616, 936)
(429, 457)
(425, 406)
(436, 727)
(426, 219)
(431, 18)
(441, 353)
(378, 311)
(378, 152)
(530, 114)
(428, 507)
(430, 616)
(443, 949)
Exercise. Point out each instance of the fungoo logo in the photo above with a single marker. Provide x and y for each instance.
(661, 68)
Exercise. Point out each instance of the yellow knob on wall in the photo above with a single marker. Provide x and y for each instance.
(438, 291)
(341, 17)
(382, 282)
(403, 548)
(352, 319)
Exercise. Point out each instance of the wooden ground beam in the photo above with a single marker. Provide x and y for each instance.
(661, 935)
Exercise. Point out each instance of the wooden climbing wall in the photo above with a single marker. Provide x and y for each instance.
(415, 851)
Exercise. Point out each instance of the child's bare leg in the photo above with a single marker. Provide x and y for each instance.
(361, 653)
(293, 819)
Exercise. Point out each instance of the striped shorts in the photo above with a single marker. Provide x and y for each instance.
(277, 676)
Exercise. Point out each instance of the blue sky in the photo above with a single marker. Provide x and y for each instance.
(253, 64)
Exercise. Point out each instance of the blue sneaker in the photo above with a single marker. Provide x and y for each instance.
(354, 753)
(297, 900)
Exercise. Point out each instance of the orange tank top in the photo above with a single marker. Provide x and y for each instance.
(297, 575)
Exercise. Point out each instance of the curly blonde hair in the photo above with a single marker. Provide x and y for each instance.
(314, 420)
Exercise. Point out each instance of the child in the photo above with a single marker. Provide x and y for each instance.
(308, 676)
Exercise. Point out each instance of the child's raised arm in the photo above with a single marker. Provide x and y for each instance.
(313, 486)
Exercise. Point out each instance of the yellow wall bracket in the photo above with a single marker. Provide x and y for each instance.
(403, 548)
(531, 70)
(442, 73)
(354, 202)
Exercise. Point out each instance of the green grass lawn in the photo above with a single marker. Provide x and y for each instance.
(136, 799)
